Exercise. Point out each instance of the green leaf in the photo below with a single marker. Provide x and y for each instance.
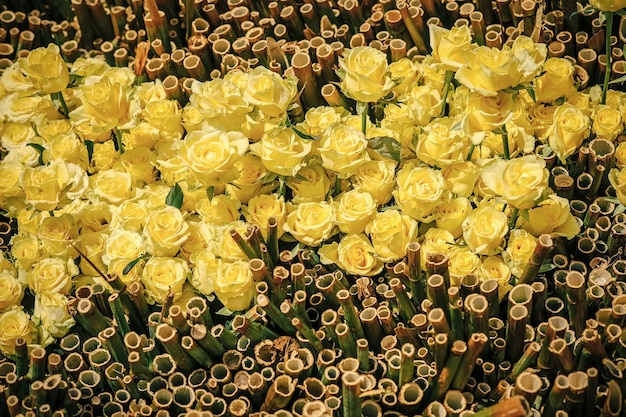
(613, 200)
(39, 149)
(361, 107)
(546, 267)
(175, 197)
(303, 135)
(210, 192)
(89, 146)
(524, 215)
(619, 209)
(224, 312)
(618, 80)
(129, 266)
(387, 147)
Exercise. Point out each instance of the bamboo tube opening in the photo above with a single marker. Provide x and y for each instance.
(454, 402)
(520, 294)
(221, 373)
(162, 399)
(88, 378)
(164, 365)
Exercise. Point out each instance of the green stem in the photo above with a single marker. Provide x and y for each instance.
(607, 51)
(364, 112)
(59, 95)
(513, 218)
(446, 91)
(505, 143)
(470, 152)
(118, 140)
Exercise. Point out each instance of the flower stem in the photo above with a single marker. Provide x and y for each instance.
(505, 143)
(118, 140)
(513, 218)
(446, 91)
(607, 51)
(364, 110)
(59, 95)
(470, 152)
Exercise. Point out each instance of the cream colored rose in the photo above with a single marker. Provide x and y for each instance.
(542, 119)
(399, 118)
(405, 73)
(490, 70)
(211, 155)
(123, 243)
(282, 151)
(52, 275)
(165, 115)
(104, 156)
(487, 113)
(139, 164)
(165, 231)
(420, 190)
(129, 215)
(484, 230)
(556, 81)
(354, 254)
(451, 215)
(551, 216)
(460, 178)
(219, 210)
(343, 149)
(44, 186)
(55, 233)
(312, 184)
(311, 223)
(425, 103)
(52, 312)
(494, 267)
(25, 249)
(45, 69)
(519, 140)
(66, 146)
(521, 181)
(318, 119)
(435, 241)
(173, 167)
(11, 291)
(104, 103)
(15, 135)
(220, 103)
(251, 180)
(92, 244)
(94, 217)
(441, 144)
(607, 123)
(531, 55)
(201, 236)
(364, 74)
(353, 211)
(269, 91)
(13, 80)
(262, 207)
(391, 232)
(112, 186)
(377, 178)
(462, 261)
(10, 172)
(204, 270)
(569, 130)
(234, 285)
(163, 275)
(141, 135)
(449, 45)
(518, 251)
(15, 324)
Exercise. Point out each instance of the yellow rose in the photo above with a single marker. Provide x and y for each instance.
(52, 275)
(92, 244)
(104, 156)
(441, 144)
(163, 275)
(220, 103)
(570, 129)
(165, 115)
(89, 66)
(11, 291)
(193, 120)
(318, 119)
(312, 183)
(129, 215)
(52, 312)
(484, 230)
(123, 244)
(420, 190)
(165, 231)
(172, 166)
(353, 210)
(460, 178)
(204, 270)
(282, 151)
(391, 232)
(542, 119)
(25, 250)
(364, 74)
(487, 113)
(112, 186)
(44, 185)
(404, 73)
(45, 69)
(262, 207)
(270, 92)
(311, 223)
(493, 267)
(518, 251)
(607, 123)
(95, 217)
(581, 101)
(608, 5)
(225, 246)
(201, 236)
(234, 285)
(13, 80)
(435, 241)
(117, 266)
(139, 163)
(399, 118)
(521, 181)
(519, 140)
(104, 103)
(55, 233)
(620, 155)
(251, 180)
(15, 324)
(490, 70)
(461, 262)
(425, 103)
(377, 178)
(220, 210)
(343, 149)
(556, 81)
(449, 45)
(354, 254)
(451, 215)
(551, 216)
(10, 172)
(142, 135)
(531, 55)
(15, 135)
(211, 155)
(66, 146)
(20, 109)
